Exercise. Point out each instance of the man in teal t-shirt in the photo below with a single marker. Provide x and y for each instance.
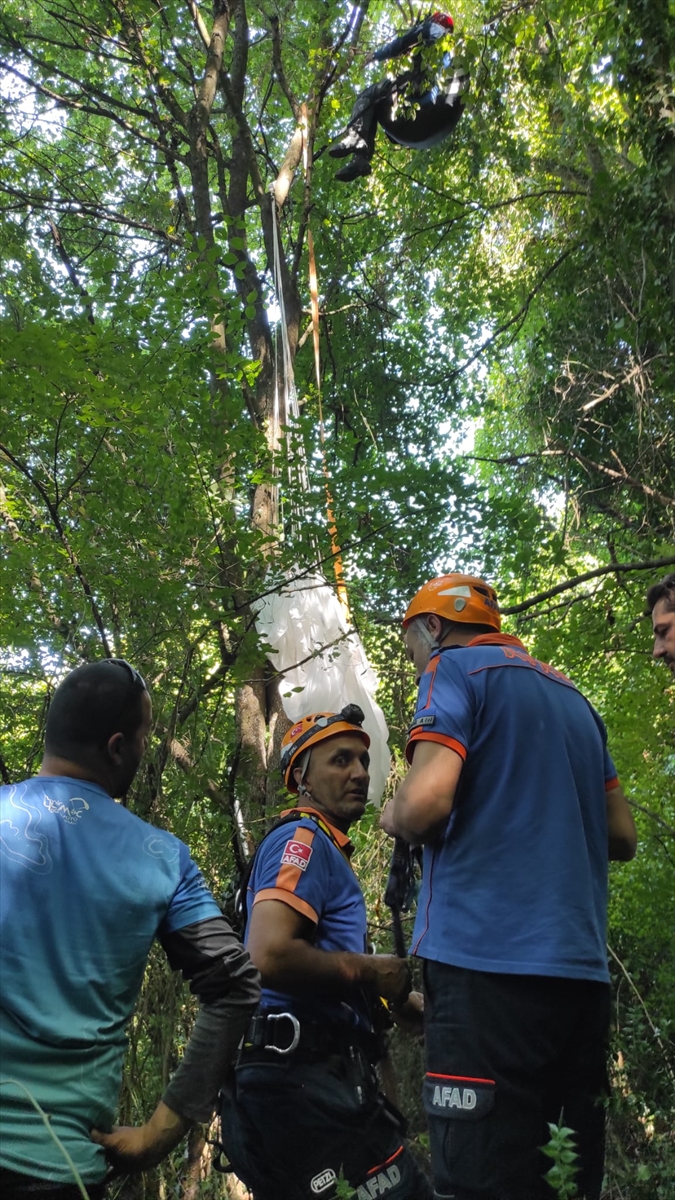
(85, 888)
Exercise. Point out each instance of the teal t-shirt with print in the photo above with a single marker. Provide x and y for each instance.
(85, 887)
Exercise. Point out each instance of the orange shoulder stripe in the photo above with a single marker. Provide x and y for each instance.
(289, 877)
(290, 899)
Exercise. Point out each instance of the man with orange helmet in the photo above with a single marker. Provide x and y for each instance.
(514, 795)
(310, 1049)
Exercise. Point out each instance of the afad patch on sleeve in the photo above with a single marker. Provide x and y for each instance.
(297, 854)
(421, 722)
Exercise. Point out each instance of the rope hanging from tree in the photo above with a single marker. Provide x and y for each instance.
(305, 622)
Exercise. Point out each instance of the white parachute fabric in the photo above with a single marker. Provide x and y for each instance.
(312, 643)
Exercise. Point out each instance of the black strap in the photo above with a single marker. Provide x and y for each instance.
(401, 887)
(295, 815)
(271, 1034)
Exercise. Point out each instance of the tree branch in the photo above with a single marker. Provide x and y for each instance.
(519, 316)
(652, 565)
(72, 273)
(652, 1026)
(511, 460)
(69, 102)
(182, 759)
(204, 688)
(279, 67)
(613, 388)
(72, 557)
(79, 207)
(623, 477)
(131, 29)
(4, 771)
(653, 817)
(87, 89)
(515, 460)
(283, 181)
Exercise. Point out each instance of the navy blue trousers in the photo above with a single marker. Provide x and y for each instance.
(505, 1055)
(294, 1128)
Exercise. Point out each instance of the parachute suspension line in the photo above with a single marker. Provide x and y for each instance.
(286, 411)
(275, 434)
(340, 586)
(317, 654)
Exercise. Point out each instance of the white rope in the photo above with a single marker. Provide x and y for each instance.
(289, 413)
(275, 435)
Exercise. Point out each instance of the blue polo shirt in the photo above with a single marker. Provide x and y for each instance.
(518, 881)
(308, 869)
(85, 887)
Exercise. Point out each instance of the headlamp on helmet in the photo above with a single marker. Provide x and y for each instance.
(316, 728)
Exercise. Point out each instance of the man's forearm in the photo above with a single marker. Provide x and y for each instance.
(400, 45)
(227, 984)
(297, 966)
(422, 805)
(138, 1148)
(399, 826)
(165, 1129)
(416, 824)
(192, 1091)
(210, 1052)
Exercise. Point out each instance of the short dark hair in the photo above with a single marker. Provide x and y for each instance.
(91, 704)
(449, 626)
(665, 590)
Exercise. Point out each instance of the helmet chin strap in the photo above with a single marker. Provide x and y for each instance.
(303, 764)
(424, 634)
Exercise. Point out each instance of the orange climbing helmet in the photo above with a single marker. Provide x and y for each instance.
(457, 598)
(315, 728)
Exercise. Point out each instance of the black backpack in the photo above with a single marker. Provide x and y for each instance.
(233, 902)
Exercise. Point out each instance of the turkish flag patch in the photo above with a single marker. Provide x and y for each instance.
(297, 854)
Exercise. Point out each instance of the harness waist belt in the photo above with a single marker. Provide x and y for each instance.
(283, 1034)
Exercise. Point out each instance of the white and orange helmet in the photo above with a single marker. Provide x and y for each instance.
(457, 598)
(313, 729)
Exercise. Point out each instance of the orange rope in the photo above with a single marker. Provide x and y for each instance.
(332, 528)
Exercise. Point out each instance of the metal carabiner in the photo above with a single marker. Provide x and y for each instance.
(295, 1040)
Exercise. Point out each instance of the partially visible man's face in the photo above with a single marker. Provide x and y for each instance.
(134, 748)
(418, 651)
(663, 623)
(337, 778)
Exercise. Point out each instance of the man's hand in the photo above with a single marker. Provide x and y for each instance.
(388, 976)
(137, 1148)
(410, 1016)
(387, 819)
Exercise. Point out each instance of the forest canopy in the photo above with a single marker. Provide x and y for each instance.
(495, 394)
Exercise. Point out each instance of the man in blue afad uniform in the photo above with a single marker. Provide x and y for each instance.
(515, 797)
(304, 1108)
(86, 887)
(418, 108)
